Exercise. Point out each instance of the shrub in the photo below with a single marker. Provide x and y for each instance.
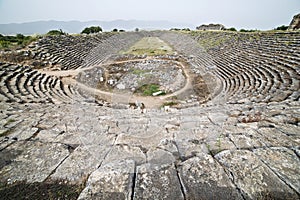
(281, 28)
(56, 32)
(13, 41)
(174, 29)
(231, 29)
(115, 30)
(20, 36)
(148, 89)
(92, 29)
(251, 30)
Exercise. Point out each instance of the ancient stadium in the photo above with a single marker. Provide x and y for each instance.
(152, 115)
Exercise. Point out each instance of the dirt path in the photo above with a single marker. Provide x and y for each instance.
(68, 77)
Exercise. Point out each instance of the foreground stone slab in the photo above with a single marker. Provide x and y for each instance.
(160, 157)
(273, 137)
(35, 162)
(157, 182)
(189, 148)
(126, 152)
(81, 162)
(254, 179)
(111, 181)
(284, 162)
(204, 178)
(247, 138)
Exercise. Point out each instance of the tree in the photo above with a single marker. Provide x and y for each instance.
(20, 36)
(231, 29)
(251, 30)
(115, 30)
(136, 29)
(92, 29)
(56, 32)
(281, 28)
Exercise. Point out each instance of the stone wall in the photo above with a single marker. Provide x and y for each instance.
(295, 23)
(205, 27)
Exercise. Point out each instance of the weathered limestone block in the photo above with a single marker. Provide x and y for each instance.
(254, 179)
(35, 163)
(157, 182)
(218, 118)
(204, 178)
(273, 137)
(86, 137)
(284, 162)
(190, 148)
(119, 152)
(111, 181)
(219, 144)
(190, 121)
(248, 138)
(160, 157)
(194, 133)
(144, 139)
(84, 160)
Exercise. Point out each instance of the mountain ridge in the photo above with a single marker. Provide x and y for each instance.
(74, 26)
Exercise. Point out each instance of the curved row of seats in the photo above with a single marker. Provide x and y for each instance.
(260, 67)
(22, 84)
(67, 51)
(113, 45)
(267, 62)
(71, 52)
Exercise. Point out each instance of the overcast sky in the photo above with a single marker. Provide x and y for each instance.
(260, 14)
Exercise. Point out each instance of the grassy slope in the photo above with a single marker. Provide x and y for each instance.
(149, 46)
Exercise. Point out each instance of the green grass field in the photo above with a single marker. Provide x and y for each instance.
(149, 46)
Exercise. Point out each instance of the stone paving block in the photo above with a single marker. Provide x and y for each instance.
(273, 137)
(84, 160)
(203, 178)
(157, 182)
(219, 144)
(254, 179)
(111, 181)
(35, 163)
(284, 162)
(189, 148)
(160, 157)
(144, 139)
(248, 138)
(120, 152)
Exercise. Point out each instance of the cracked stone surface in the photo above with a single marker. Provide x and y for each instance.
(253, 177)
(206, 173)
(242, 142)
(82, 162)
(196, 157)
(157, 182)
(31, 165)
(284, 162)
(111, 181)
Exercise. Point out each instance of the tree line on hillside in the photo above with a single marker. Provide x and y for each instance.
(21, 40)
(17, 40)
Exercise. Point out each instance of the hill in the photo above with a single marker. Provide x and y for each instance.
(41, 27)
